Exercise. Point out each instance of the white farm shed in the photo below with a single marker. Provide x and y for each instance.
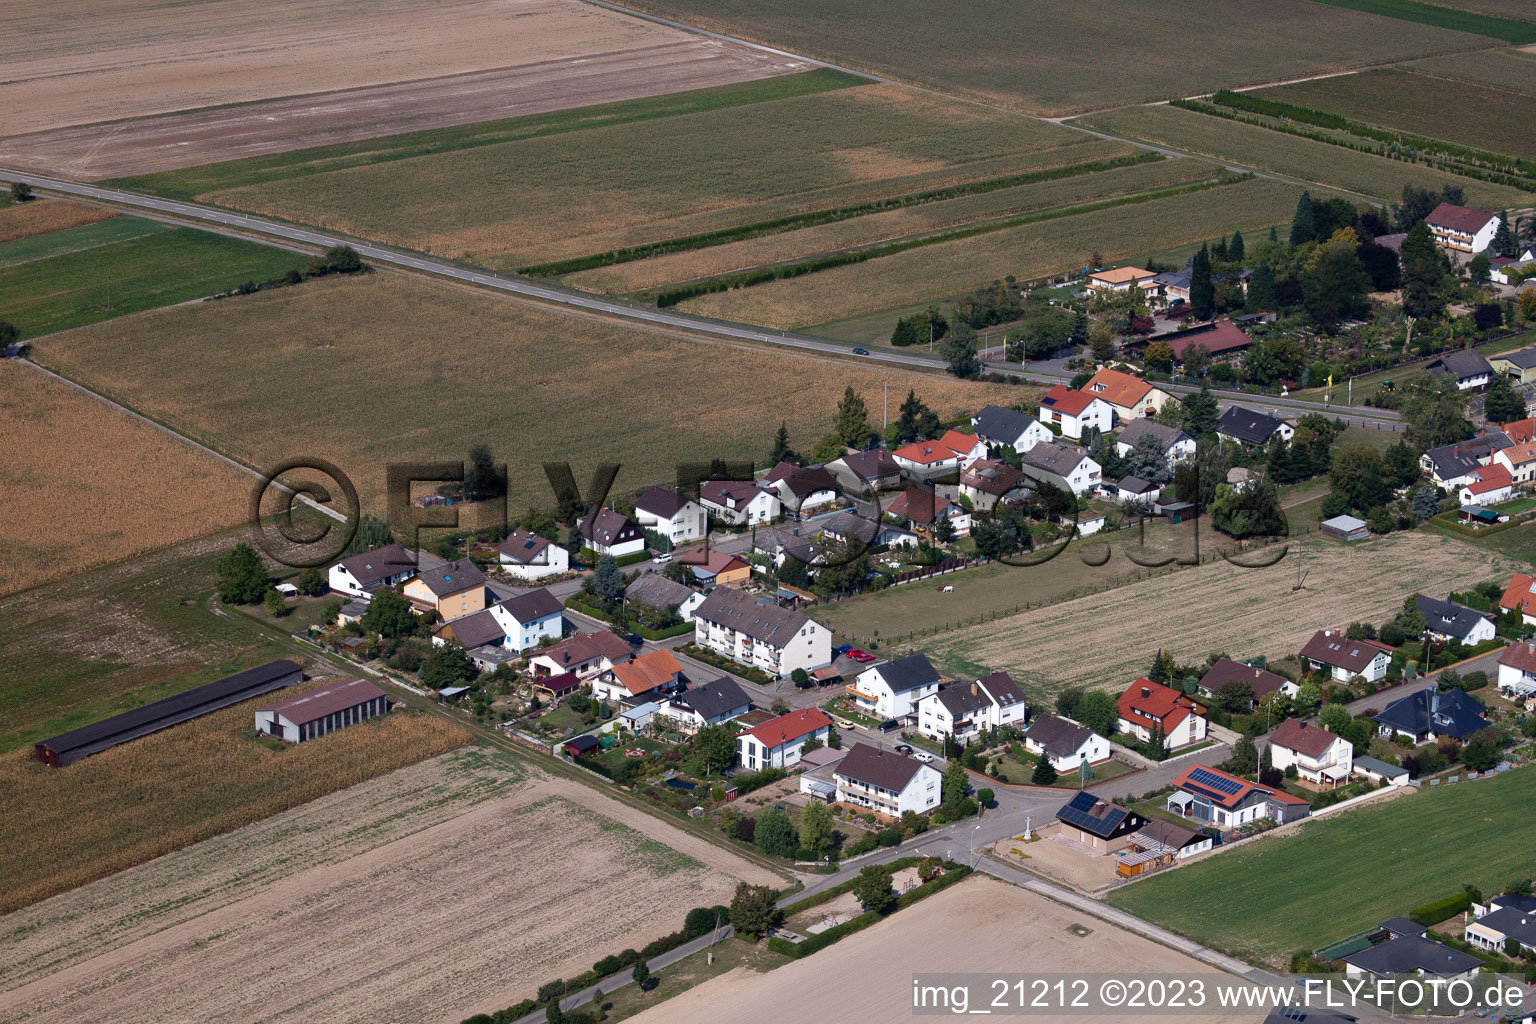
(319, 712)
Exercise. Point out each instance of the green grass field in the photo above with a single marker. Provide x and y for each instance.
(1063, 58)
(1247, 145)
(1488, 118)
(76, 239)
(1459, 17)
(115, 279)
(1514, 70)
(1338, 875)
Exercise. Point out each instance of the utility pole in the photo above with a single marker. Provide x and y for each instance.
(885, 408)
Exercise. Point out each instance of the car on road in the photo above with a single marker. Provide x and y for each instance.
(634, 639)
(861, 351)
(664, 557)
(860, 656)
(923, 756)
(843, 723)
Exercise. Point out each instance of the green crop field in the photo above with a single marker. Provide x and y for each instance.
(1493, 119)
(1492, 8)
(1514, 70)
(1248, 145)
(142, 273)
(1051, 59)
(1458, 15)
(1338, 875)
(76, 239)
(1032, 250)
(578, 192)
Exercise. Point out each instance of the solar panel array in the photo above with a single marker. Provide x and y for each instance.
(1218, 783)
(1075, 812)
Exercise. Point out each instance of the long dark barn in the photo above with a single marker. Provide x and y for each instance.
(71, 746)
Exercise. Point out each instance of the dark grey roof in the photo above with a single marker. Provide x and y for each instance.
(608, 527)
(1174, 278)
(1514, 922)
(959, 701)
(1143, 427)
(1002, 688)
(1408, 953)
(801, 481)
(536, 604)
(716, 698)
(1060, 459)
(656, 590)
(1525, 358)
(768, 622)
(846, 524)
(1247, 425)
(1096, 816)
(452, 577)
(1379, 767)
(1507, 900)
(996, 424)
(1449, 618)
(884, 769)
(1463, 364)
(909, 673)
(1261, 682)
(1060, 737)
(475, 629)
(1135, 485)
(1403, 926)
(1454, 460)
(661, 502)
(1456, 713)
(870, 465)
(379, 564)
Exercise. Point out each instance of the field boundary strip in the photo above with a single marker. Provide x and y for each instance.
(1509, 30)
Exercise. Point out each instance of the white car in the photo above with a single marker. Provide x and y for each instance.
(665, 556)
(924, 756)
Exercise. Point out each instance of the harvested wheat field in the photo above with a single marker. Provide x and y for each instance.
(405, 369)
(176, 787)
(1219, 607)
(80, 61)
(446, 888)
(981, 926)
(82, 484)
(39, 217)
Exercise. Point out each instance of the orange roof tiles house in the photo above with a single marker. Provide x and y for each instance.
(953, 450)
(1146, 706)
(1521, 594)
(1521, 431)
(1072, 411)
(1520, 460)
(1119, 279)
(1488, 485)
(656, 671)
(1127, 394)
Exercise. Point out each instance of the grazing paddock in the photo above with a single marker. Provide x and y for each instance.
(1494, 119)
(1333, 166)
(176, 787)
(407, 369)
(578, 192)
(685, 266)
(40, 216)
(1094, 58)
(1220, 607)
(1028, 251)
(1269, 898)
(85, 485)
(392, 880)
(1514, 70)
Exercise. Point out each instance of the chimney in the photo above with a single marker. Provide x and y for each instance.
(1145, 692)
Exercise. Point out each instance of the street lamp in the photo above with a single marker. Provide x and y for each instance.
(973, 845)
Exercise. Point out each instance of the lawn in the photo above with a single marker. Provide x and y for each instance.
(1493, 119)
(1027, 251)
(1094, 58)
(1338, 875)
(605, 187)
(383, 368)
(107, 281)
(1334, 166)
(76, 238)
(1021, 772)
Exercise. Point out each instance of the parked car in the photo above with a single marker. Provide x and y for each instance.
(634, 639)
(903, 748)
(860, 656)
(843, 723)
(861, 351)
(889, 724)
(843, 649)
(924, 756)
(665, 556)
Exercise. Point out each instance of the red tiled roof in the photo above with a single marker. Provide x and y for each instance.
(1116, 388)
(1458, 218)
(952, 444)
(647, 672)
(1521, 656)
(1223, 337)
(1521, 431)
(790, 727)
(1311, 740)
(1063, 399)
(1153, 705)
(1490, 478)
(1521, 594)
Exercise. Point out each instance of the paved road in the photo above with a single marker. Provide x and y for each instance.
(1488, 663)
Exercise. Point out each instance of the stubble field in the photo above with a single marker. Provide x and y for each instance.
(1032, 250)
(1134, 51)
(1333, 166)
(404, 369)
(451, 887)
(1514, 70)
(82, 484)
(39, 217)
(585, 191)
(1219, 607)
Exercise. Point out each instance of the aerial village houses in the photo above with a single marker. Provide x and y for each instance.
(711, 703)
(1009, 428)
(1212, 795)
(1320, 757)
(1466, 367)
(1461, 229)
(320, 712)
(1073, 412)
(1146, 707)
(361, 574)
(654, 590)
(924, 509)
(1451, 466)
(886, 782)
(1101, 826)
(1517, 671)
(1520, 461)
(1261, 682)
(1429, 715)
(1062, 466)
(987, 482)
(871, 470)
(1504, 918)
(1487, 485)
(714, 568)
(452, 589)
(1345, 658)
(652, 675)
(762, 635)
(739, 503)
(670, 514)
(1175, 445)
(531, 557)
(1127, 395)
(584, 654)
(1158, 843)
(778, 743)
(516, 624)
(1119, 279)
(800, 490)
(923, 460)
(893, 689)
(965, 710)
(1065, 743)
(1407, 951)
(1450, 621)
(1251, 428)
(611, 533)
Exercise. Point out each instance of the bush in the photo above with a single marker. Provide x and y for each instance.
(1442, 909)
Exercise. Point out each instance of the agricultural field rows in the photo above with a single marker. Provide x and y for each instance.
(1031, 250)
(41, 216)
(1305, 889)
(1376, 177)
(1219, 607)
(76, 239)
(1492, 8)
(1458, 15)
(516, 203)
(1514, 70)
(408, 369)
(85, 485)
(685, 266)
(1488, 118)
(994, 52)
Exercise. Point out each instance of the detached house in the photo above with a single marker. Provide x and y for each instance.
(1452, 465)
(1462, 229)
(1175, 445)
(361, 574)
(1450, 621)
(1128, 395)
(1428, 715)
(1062, 466)
(1097, 824)
(583, 654)
(800, 490)
(872, 470)
(452, 589)
(710, 704)
(656, 591)
(1251, 428)
(1261, 683)
(1146, 707)
(924, 509)
(611, 533)
(1073, 412)
(1521, 595)
(530, 557)
(670, 514)
(1520, 460)
(893, 689)
(1487, 485)
(1119, 279)
(778, 742)
(715, 568)
(1321, 757)
(987, 482)
(1345, 658)
(965, 710)
(924, 460)
(1212, 795)
(1009, 428)
(739, 503)
(1065, 743)
(762, 635)
(516, 624)
(1504, 918)
(650, 674)
(1466, 367)
(886, 782)
(1517, 671)
(1409, 952)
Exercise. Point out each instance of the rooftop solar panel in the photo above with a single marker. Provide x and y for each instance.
(1219, 783)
